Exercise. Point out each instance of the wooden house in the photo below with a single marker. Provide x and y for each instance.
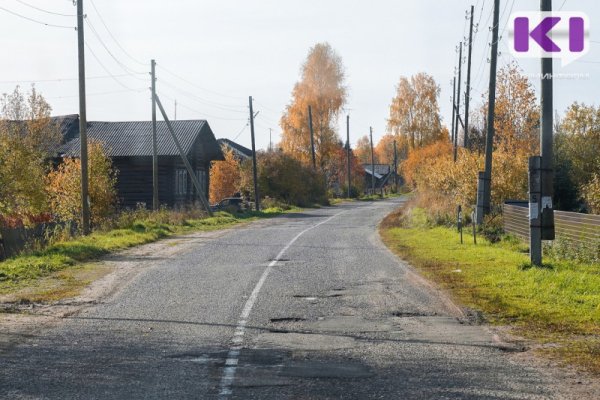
(382, 175)
(129, 145)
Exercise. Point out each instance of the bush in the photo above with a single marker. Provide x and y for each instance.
(63, 186)
(283, 178)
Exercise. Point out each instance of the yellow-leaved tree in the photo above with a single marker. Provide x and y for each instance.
(363, 150)
(224, 177)
(322, 87)
(63, 186)
(28, 139)
(414, 112)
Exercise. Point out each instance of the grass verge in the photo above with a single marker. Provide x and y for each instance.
(58, 270)
(557, 305)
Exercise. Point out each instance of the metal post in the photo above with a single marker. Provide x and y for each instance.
(535, 220)
(155, 201)
(458, 101)
(312, 138)
(254, 164)
(468, 94)
(348, 154)
(489, 142)
(85, 199)
(395, 167)
(546, 141)
(372, 163)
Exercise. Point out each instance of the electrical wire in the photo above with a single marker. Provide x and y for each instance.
(121, 64)
(113, 36)
(35, 20)
(240, 132)
(45, 11)
(106, 69)
(101, 93)
(64, 79)
(223, 107)
(181, 78)
(200, 112)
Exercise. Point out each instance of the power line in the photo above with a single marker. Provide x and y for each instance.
(45, 11)
(113, 37)
(224, 107)
(35, 20)
(181, 78)
(200, 112)
(240, 132)
(121, 64)
(101, 93)
(106, 69)
(64, 79)
(562, 5)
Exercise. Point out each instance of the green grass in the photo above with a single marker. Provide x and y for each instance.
(19, 271)
(559, 302)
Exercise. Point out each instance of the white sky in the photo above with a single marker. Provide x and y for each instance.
(236, 48)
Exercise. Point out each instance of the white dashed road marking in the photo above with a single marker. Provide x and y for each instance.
(238, 337)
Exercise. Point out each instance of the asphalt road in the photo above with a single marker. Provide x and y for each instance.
(306, 306)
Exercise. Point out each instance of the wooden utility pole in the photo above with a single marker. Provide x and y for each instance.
(468, 94)
(155, 200)
(348, 153)
(254, 165)
(270, 139)
(312, 138)
(458, 101)
(372, 162)
(453, 108)
(188, 166)
(395, 167)
(484, 204)
(85, 198)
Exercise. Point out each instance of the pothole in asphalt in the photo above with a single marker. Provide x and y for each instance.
(408, 314)
(326, 370)
(287, 319)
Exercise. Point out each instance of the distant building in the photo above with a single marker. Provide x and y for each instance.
(129, 145)
(240, 152)
(382, 174)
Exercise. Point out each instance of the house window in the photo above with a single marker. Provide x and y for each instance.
(201, 175)
(180, 182)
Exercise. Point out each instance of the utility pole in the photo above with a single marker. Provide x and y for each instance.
(372, 163)
(254, 166)
(541, 169)
(458, 101)
(348, 152)
(270, 140)
(395, 167)
(85, 199)
(468, 94)
(175, 116)
(155, 201)
(485, 181)
(453, 107)
(312, 138)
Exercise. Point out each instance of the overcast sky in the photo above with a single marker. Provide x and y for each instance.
(212, 55)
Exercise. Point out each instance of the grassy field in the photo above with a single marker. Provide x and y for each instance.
(65, 260)
(557, 305)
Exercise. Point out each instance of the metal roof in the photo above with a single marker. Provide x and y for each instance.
(238, 149)
(381, 170)
(134, 139)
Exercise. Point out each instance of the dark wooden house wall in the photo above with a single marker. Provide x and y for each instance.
(134, 179)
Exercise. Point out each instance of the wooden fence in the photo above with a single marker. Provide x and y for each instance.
(571, 226)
